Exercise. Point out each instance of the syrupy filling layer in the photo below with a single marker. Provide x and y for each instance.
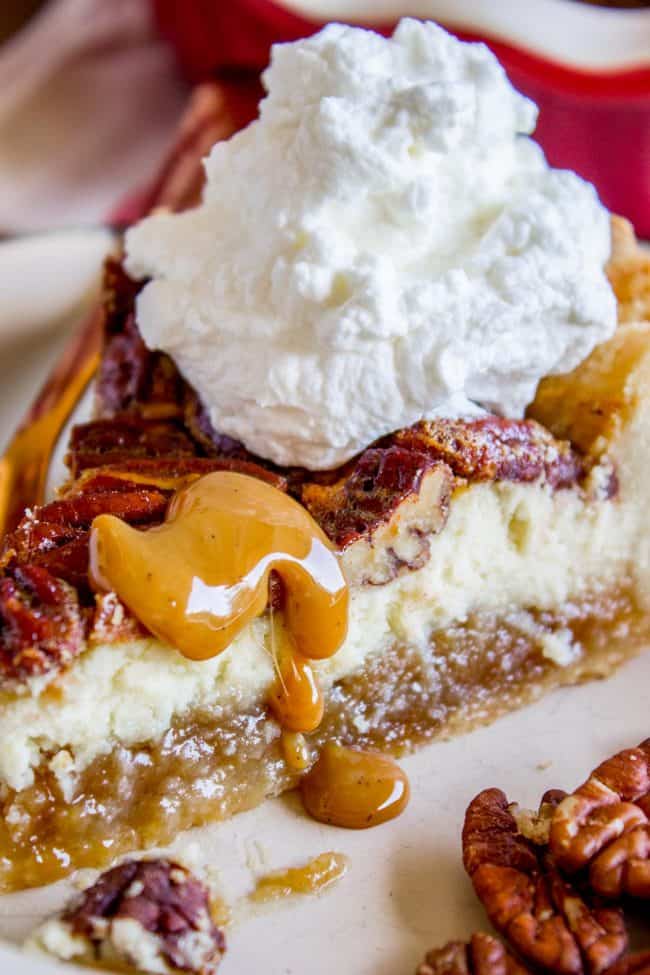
(212, 764)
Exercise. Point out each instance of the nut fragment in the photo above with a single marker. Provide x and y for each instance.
(604, 826)
(541, 915)
(150, 916)
(482, 955)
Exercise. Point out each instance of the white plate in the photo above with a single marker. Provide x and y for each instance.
(405, 890)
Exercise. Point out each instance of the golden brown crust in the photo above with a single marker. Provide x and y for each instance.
(592, 405)
(629, 273)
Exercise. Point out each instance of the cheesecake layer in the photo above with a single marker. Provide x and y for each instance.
(504, 546)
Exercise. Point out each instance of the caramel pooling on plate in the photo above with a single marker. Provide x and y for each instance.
(354, 789)
(198, 579)
(311, 878)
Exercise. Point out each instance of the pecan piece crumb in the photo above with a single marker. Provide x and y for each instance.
(149, 916)
(542, 916)
(603, 826)
(482, 955)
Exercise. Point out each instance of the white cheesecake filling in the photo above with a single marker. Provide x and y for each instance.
(504, 547)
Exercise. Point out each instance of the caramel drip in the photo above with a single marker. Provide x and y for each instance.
(295, 751)
(312, 878)
(198, 579)
(354, 789)
(295, 698)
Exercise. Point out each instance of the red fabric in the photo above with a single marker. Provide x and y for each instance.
(595, 124)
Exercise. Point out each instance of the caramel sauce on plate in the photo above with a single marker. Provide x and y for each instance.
(198, 579)
(354, 789)
(312, 878)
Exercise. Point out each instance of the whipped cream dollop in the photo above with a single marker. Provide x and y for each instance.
(383, 244)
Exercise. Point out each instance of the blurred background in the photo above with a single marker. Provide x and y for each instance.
(92, 93)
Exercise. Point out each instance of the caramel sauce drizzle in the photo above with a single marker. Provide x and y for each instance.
(354, 789)
(295, 750)
(198, 579)
(311, 878)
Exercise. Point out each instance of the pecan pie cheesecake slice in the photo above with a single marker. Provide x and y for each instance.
(487, 562)
(192, 621)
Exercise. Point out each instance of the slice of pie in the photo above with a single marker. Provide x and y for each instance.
(487, 560)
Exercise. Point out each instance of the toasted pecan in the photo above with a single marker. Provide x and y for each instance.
(493, 448)
(603, 826)
(633, 964)
(482, 955)
(41, 628)
(55, 536)
(542, 916)
(126, 437)
(130, 374)
(368, 493)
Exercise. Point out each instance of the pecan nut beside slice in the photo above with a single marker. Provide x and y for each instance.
(149, 916)
(603, 826)
(482, 955)
(635, 964)
(543, 918)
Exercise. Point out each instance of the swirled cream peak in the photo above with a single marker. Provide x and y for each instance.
(384, 243)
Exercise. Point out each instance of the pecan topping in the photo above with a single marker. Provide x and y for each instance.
(55, 537)
(378, 482)
(150, 915)
(200, 426)
(124, 438)
(482, 955)
(495, 449)
(542, 916)
(604, 826)
(41, 629)
(130, 374)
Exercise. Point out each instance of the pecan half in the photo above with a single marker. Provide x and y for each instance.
(131, 376)
(149, 916)
(636, 964)
(126, 437)
(540, 914)
(41, 628)
(495, 449)
(603, 826)
(383, 512)
(55, 537)
(482, 955)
